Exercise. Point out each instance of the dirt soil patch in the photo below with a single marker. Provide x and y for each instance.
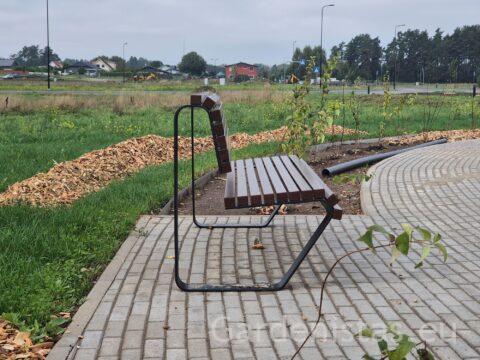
(209, 200)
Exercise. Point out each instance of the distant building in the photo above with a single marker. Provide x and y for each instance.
(6, 64)
(160, 74)
(172, 70)
(104, 64)
(241, 68)
(56, 65)
(83, 67)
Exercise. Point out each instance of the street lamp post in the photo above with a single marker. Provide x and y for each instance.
(48, 50)
(123, 56)
(321, 37)
(293, 53)
(395, 59)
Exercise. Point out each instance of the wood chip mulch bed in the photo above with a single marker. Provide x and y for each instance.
(66, 182)
(70, 180)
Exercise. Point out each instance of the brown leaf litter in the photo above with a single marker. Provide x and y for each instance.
(15, 344)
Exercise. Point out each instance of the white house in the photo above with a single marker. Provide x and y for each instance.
(56, 65)
(104, 64)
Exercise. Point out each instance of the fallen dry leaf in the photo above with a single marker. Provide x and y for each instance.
(257, 245)
(65, 315)
(42, 346)
(8, 347)
(22, 339)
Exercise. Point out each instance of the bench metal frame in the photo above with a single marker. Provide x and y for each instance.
(228, 287)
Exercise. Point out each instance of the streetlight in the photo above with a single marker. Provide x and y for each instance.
(395, 60)
(293, 54)
(48, 50)
(214, 64)
(123, 55)
(321, 37)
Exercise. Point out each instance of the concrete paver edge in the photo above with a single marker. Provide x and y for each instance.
(63, 348)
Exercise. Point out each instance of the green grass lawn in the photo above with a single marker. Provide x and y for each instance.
(50, 257)
(34, 142)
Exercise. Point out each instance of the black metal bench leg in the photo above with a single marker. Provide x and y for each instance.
(253, 287)
(235, 226)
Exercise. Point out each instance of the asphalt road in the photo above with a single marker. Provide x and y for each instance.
(401, 90)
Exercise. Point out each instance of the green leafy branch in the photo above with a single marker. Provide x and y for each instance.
(308, 122)
(403, 345)
(400, 245)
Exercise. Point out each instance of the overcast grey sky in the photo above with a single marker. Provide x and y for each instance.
(260, 31)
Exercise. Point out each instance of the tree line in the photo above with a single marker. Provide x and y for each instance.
(33, 56)
(412, 56)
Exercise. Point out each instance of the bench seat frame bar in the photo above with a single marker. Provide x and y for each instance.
(229, 287)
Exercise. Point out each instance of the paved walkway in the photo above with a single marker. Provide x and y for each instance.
(135, 310)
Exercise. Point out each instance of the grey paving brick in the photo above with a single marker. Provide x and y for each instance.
(110, 346)
(154, 348)
(143, 312)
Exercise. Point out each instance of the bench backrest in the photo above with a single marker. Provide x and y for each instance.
(211, 103)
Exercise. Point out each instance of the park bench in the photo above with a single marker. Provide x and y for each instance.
(266, 181)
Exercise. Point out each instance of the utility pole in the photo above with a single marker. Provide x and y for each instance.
(48, 50)
(293, 54)
(321, 38)
(124, 63)
(395, 60)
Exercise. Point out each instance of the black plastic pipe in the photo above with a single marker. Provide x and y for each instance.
(353, 164)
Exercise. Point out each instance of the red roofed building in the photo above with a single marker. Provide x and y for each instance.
(241, 68)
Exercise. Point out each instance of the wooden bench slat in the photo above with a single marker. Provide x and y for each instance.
(197, 99)
(242, 192)
(310, 176)
(337, 212)
(329, 196)
(217, 119)
(220, 136)
(268, 195)
(229, 198)
(205, 99)
(254, 189)
(293, 191)
(306, 191)
(280, 191)
(210, 101)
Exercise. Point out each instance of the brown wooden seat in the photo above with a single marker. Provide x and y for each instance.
(274, 180)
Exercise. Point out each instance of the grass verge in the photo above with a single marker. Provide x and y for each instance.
(51, 256)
